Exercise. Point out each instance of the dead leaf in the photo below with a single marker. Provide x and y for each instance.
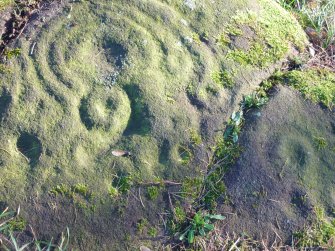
(120, 153)
(144, 248)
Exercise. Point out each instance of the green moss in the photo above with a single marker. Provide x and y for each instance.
(223, 40)
(196, 38)
(317, 85)
(71, 191)
(11, 53)
(274, 30)
(4, 69)
(18, 224)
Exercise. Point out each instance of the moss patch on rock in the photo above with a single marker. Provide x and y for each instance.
(317, 85)
(270, 34)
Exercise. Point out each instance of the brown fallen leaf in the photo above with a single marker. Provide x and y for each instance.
(120, 153)
(144, 248)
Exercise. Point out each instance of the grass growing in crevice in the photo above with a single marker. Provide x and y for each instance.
(193, 224)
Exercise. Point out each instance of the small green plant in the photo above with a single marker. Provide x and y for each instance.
(191, 89)
(199, 225)
(222, 40)
(212, 90)
(123, 183)
(204, 37)
(196, 38)
(113, 192)
(62, 190)
(141, 225)
(185, 155)
(17, 224)
(81, 189)
(152, 232)
(254, 100)
(226, 152)
(320, 142)
(234, 127)
(192, 186)
(9, 54)
(223, 78)
(195, 137)
(180, 214)
(319, 234)
(153, 192)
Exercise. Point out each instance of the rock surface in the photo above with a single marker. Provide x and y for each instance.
(283, 171)
(95, 76)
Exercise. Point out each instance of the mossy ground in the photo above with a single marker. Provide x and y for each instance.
(98, 76)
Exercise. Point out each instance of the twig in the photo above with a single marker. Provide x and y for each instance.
(26, 158)
(277, 234)
(139, 195)
(163, 182)
(134, 196)
(234, 245)
(33, 232)
(274, 200)
(163, 221)
(171, 206)
(75, 215)
(23, 28)
(32, 49)
(5, 151)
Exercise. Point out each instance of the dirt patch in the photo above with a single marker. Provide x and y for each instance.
(282, 172)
